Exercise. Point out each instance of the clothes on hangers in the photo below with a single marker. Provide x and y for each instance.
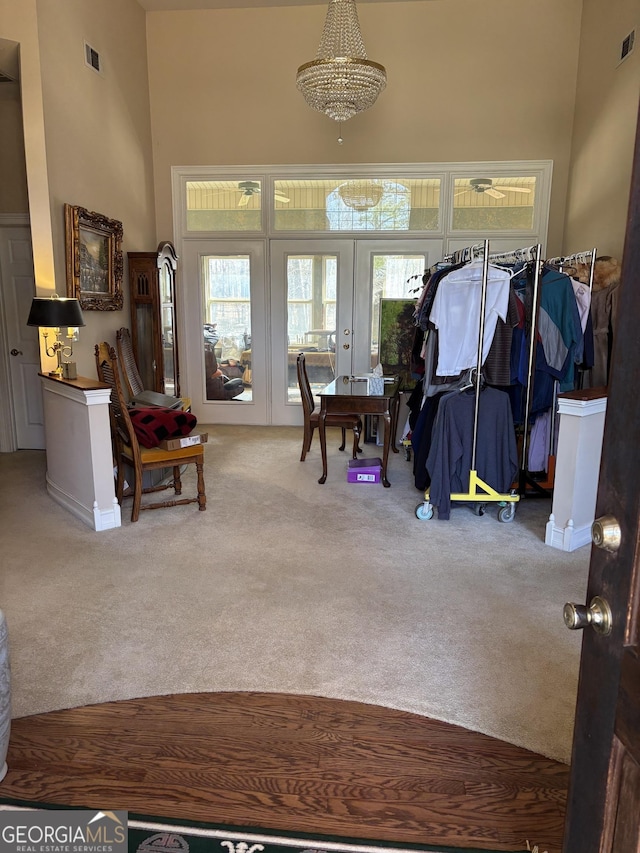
(455, 312)
(425, 300)
(449, 459)
(559, 335)
(499, 326)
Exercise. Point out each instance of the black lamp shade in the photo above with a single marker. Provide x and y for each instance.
(55, 312)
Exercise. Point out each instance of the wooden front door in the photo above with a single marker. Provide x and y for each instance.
(604, 797)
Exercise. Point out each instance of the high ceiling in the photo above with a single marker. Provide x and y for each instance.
(184, 5)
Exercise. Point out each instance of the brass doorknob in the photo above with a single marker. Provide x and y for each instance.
(606, 533)
(597, 615)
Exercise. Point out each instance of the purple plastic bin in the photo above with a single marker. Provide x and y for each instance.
(364, 470)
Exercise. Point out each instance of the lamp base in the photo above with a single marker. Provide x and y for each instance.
(57, 373)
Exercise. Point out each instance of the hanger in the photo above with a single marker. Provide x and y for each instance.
(468, 380)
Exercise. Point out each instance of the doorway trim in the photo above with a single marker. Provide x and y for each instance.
(8, 438)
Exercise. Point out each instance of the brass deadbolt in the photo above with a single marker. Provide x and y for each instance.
(606, 533)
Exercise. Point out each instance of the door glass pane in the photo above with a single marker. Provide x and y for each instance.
(168, 325)
(144, 332)
(224, 205)
(493, 204)
(396, 279)
(227, 327)
(312, 286)
(359, 204)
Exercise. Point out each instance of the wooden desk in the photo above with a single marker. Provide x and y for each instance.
(347, 396)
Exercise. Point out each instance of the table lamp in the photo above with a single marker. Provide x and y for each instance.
(53, 313)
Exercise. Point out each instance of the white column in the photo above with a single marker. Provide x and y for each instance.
(582, 415)
(78, 443)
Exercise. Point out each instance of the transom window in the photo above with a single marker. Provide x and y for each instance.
(458, 199)
(493, 204)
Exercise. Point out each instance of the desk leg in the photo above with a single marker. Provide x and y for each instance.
(388, 420)
(322, 432)
(394, 422)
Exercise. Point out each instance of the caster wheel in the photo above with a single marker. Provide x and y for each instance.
(407, 454)
(507, 513)
(424, 511)
(479, 509)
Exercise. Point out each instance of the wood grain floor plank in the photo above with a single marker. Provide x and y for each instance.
(293, 763)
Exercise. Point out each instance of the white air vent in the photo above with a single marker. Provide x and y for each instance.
(92, 58)
(627, 45)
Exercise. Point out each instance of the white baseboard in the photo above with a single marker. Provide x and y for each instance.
(568, 538)
(94, 517)
(107, 518)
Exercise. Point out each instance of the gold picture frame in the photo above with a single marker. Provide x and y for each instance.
(94, 259)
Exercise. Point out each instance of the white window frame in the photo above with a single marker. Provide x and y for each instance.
(542, 170)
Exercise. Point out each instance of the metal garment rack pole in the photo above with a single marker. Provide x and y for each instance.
(530, 254)
(533, 331)
(462, 256)
(483, 305)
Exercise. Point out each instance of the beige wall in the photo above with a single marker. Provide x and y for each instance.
(19, 24)
(604, 129)
(467, 81)
(13, 170)
(98, 133)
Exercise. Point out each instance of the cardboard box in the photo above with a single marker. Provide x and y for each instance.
(184, 441)
(364, 470)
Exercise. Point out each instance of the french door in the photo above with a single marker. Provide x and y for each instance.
(248, 320)
(225, 326)
(326, 297)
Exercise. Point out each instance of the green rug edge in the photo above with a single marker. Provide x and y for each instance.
(318, 838)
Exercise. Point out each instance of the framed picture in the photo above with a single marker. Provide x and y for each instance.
(94, 259)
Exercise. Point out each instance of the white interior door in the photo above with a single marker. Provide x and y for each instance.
(20, 380)
(223, 303)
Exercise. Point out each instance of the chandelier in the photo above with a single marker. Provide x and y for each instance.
(361, 195)
(341, 81)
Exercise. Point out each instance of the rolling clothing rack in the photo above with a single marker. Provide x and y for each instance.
(527, 255)
(530, 260)
(479, 492)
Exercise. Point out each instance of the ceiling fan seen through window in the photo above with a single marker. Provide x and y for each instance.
(487, 186)
(250, 188)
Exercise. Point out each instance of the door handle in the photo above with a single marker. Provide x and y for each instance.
(597, 615)
(15, 351)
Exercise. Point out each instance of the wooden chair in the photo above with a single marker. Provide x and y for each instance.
(311, 416)
(128, 452)
(138, 394)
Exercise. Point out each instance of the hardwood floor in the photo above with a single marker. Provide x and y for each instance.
(291, 763)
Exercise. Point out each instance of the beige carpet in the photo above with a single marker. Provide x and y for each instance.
(284, 585)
